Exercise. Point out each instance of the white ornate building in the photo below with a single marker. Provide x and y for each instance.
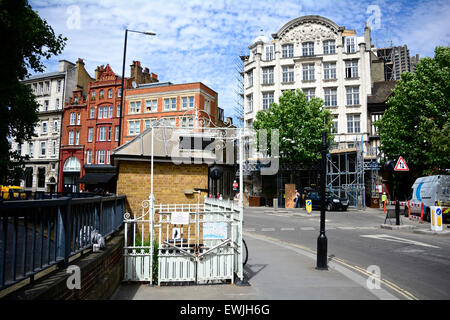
(314, 54)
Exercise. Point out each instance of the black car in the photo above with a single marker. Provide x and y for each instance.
(332, 202)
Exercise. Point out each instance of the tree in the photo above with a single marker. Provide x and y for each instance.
(300, 124)
(416, 124)
(26, 40)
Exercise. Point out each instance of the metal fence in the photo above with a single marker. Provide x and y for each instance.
(41, 195)
(206, 248)
(38, 234)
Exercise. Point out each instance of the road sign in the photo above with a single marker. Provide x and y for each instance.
(308, 205)
(235, 185)
(436, 218)
(401, 165)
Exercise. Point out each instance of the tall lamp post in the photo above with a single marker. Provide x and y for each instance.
(322, 242)
(149, 33)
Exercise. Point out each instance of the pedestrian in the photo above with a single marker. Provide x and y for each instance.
(384, 199)
(297, 199)
(303, 204)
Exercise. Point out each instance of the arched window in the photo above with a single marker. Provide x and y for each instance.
(110, 93)
(72, 164)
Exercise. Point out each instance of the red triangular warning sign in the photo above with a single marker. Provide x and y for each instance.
(401, 165)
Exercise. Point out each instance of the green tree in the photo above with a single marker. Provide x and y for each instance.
(300, 124)
(416, 124)
(26, 41)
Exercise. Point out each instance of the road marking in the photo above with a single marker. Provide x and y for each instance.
(287, 229)
(347, 228)
(268, 229)
(308, 228)
(396, 239)
(249, 229)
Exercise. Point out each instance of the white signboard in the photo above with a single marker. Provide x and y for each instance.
(179, 218)
(214, 230)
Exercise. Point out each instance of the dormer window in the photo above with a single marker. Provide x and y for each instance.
(270, 52)
(350, 44)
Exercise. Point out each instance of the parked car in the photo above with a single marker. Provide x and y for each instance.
(12, 192)
(332, 202)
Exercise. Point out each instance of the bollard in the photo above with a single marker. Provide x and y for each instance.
(421, 211)
(275, 204)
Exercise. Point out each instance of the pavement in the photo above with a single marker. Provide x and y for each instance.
(275, 271)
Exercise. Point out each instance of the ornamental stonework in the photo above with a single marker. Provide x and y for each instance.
(308, 32)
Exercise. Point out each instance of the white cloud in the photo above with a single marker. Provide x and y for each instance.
(198, 40)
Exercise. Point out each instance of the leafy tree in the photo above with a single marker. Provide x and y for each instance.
(416, 124)
(300, 124)
(26, 40)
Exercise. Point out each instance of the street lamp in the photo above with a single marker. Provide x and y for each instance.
(149, 33)
(322, 242)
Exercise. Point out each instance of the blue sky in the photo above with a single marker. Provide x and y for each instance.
(199, 40)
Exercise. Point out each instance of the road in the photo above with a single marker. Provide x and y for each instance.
(416, 263)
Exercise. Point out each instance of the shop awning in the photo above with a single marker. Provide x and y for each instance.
(96, 177)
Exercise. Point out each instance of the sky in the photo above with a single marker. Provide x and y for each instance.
(201, 40)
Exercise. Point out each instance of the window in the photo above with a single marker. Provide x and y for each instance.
(166, 104)
(267, 100)
(270, 55)
(55, 126)
(334, 125)
(309, 93)
(250, 78)
(72, 118)
(207, 106)
(41, 177)
(184, 102)
(29, 177)
(116, 136)
(173, 103)
(105, 112)
(57, 104)
(308, 72)
(110, 93)
(119, 92)
(102, 94)
(190, 122)
(138, 106)
(101, 157)
(93, 95)
(352, 95)
(351, 68)
(147, 124)
(110, 111)
(267, 75)
(308, 48)
(330, 97)
(71, 137)
(152, 105)
(250, 103)
(288, 74)
(134, 127)
(100, 112)
(47, 87)
(77, 138)
(118, 111)
(78, 118)
(102, 134)
(59, 86)
(353, 123)
(350, 44)
(109, 133)
(43, 148)
(287, 51)
(44, 127)
(31, 149)
(46, 105)
(329, 47)
(90, 134)
(329, 70)
(92, 113)
(108, 153)
(191, 102)
(89, 156)
(183, 122)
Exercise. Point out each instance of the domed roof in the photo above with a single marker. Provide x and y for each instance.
(261, 38)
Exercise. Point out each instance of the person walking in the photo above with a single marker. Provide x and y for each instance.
(297, 199)
(384, 199)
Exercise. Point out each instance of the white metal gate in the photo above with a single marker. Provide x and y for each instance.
(208, 248)
(196, 243)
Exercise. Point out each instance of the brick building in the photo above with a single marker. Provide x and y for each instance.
(91, 130)
(179, 104)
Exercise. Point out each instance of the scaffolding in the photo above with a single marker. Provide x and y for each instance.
(345, 174)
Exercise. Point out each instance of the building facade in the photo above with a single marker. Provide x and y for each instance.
(324, 60)
(50, 89)
(397, 60)
(178, 104)
(91, 130)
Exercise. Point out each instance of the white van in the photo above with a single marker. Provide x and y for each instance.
(431, 191)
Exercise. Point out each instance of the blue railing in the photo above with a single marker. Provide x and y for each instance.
(38, 234)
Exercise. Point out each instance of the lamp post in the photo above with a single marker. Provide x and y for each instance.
(322, 242)
(149, 33)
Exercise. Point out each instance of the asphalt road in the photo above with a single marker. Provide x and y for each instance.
(417, 263)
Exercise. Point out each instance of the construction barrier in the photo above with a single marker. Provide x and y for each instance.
(409, 205)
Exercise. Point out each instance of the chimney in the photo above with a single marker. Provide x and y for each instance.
(64, 65)
(367, 35)
(99, 71)
(136, 71)
(153, 77)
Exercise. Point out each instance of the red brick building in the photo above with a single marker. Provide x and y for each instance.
(91, 130)
(177, 103)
